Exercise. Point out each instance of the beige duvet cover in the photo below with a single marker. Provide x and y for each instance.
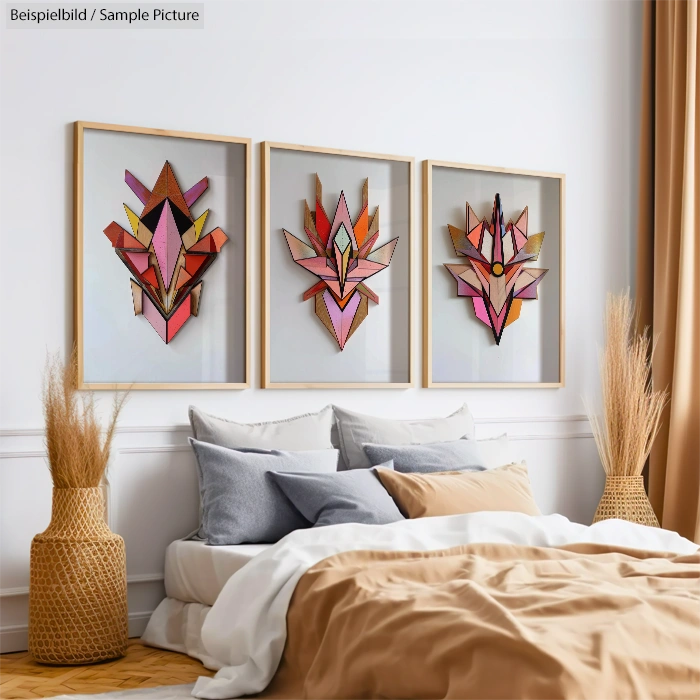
(495, 621)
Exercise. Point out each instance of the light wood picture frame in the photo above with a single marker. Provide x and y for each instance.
(463, 176)
(299, 180)
(226, 162)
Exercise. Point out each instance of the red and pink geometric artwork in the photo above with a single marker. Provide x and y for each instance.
(341, 256)
(166, 252)
(495, 277)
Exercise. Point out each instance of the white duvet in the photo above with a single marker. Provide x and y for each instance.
(245, 630)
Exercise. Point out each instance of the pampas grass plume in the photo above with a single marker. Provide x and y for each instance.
(631, 417)
(77, 449)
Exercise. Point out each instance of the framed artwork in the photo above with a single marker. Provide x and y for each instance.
(161, 257)
(336, 268)
(493, 277)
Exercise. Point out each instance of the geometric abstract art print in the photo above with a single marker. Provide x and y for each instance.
(341, 255)
(495, 276)
(166, 252)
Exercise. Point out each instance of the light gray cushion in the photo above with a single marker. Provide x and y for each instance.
(311, 431)
(355, 429)
(457, 455)
(344, 497)
(239, 504)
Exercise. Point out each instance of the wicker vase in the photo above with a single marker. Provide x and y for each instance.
(624, 497)
(77, 589)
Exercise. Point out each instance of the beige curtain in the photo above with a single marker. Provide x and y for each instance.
(668, 263)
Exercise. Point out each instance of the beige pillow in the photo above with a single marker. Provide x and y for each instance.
(451, 493)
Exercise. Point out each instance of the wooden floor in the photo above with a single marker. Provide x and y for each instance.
(142, 667)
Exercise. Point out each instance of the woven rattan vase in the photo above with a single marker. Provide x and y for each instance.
(624, 497)
(77, 589)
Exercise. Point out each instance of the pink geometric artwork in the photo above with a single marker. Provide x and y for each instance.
(341, 256)
(167, 254)
(495, 277)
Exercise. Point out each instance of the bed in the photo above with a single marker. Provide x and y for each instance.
(437, 607)
(430, 575)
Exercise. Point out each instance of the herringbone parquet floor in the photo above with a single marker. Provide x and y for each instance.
(142, 667)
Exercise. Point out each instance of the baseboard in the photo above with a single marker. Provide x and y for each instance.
(138, 622)
(15, 638)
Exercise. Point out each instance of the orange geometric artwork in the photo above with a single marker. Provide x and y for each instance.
(495, 277)
(341, 256)
(166, 252)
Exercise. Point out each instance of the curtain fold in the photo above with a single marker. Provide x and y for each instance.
(668, 261)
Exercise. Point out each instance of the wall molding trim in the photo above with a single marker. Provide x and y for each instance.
(22, 454)
(39, 432)
(531, 419)
(135, 578)
(185, 427)
(149, 449)
(548, 436)
(154, 449)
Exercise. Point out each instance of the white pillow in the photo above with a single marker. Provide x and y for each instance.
(311, 431)
(496, 451)
(355, 429)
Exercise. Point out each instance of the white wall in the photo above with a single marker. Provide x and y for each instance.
(435, 80)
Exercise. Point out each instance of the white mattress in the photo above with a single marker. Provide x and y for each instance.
(196, 572)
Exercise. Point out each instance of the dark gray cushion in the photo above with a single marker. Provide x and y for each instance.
(430, 457)
(239, 505)
(344, 497)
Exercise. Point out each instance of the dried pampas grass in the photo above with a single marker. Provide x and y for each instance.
(77, 450)
(632, 410)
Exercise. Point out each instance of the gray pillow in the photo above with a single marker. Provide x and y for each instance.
(239, 505)
(344, 497)
(310, 431)
(458, 455)
(355, 429)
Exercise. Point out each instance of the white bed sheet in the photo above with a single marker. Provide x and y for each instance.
(196, 572)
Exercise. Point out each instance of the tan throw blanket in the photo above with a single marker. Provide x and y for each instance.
(495, 621)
